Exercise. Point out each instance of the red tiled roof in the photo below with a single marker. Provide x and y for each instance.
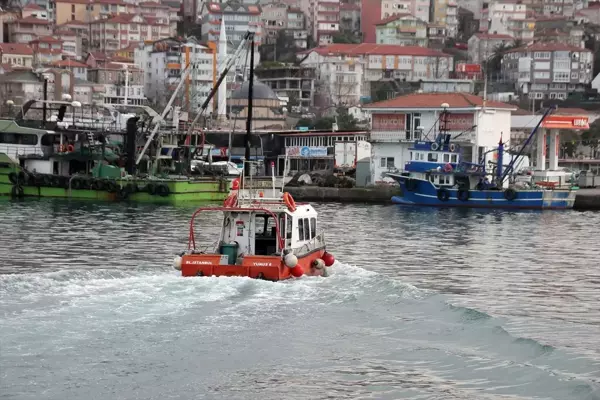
(33, 7)
(435, 100)
(393, 18)
(46, 39)
(32, 20)
(152, 4)
(69, 64)
(74, 22)
(493, 36)
(374, 49)
(64, 32)
(16, 48)
(98, 55)
(548, 47)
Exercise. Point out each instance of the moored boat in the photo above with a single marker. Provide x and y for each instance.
(436, 176)
(264, 237)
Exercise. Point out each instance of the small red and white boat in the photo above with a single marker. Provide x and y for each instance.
(271, 238)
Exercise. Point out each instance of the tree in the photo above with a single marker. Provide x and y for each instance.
(591, 137)
(345, 121)
(345, 37)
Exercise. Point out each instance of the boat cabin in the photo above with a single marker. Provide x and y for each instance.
(267, 229)
(426, 156)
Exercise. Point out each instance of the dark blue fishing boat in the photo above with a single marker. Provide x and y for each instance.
(436, 176)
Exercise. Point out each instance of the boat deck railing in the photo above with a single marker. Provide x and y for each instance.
(318, 242)
(21, 150)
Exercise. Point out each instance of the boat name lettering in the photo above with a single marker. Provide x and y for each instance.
(200, 262)
(261, 264)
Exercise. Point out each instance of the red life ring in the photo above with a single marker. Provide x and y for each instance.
(70, 148)
(289, 202)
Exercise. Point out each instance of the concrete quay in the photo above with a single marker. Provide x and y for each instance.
(586, 199)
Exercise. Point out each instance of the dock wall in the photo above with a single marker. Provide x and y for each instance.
(586, 199)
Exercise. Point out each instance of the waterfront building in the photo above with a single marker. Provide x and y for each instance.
(398, 123)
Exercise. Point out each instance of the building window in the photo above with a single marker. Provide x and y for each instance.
(387, 162)
(561, 77)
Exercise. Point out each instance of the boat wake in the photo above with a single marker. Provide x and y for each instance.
(347, 335)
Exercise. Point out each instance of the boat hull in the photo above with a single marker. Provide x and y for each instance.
(426, 194)
(180, 191)
(259, 267)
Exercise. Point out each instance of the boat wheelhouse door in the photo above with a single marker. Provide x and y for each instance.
(265, 235)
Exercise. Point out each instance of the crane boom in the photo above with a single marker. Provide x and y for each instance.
(229, 63)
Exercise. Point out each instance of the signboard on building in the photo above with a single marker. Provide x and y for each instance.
(388, 122)
(459, 122)
(566, 122)
(306, 151)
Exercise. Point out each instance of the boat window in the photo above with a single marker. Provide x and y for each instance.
(18, 138)
(411, 155)
(48, 140)
(300, 229)
(313, 227)
(288, 227)
(259, 223)
(306, 229)
(432, 157)
(454, 158)
(421, 156)
(446, 157)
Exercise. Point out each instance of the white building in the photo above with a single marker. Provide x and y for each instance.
(345, 71)
(397, 123)
(507, 17)
(164, 62)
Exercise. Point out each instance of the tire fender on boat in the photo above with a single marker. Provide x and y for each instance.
(463, 195)
(13, 177)
(411, 185)
(443, 194)
(17, 192)
(510, 194)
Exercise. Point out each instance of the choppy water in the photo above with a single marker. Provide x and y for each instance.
(424, 304)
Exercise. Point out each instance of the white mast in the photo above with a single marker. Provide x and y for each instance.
(222, 53)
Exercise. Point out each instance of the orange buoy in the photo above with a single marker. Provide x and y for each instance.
(230, 201)
(289, 201)
(297, 271)
(235, 185)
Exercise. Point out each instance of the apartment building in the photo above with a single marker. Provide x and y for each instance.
(419, 8)
(296, 83)
(116, 86)
(239, 18)
(483, 45)
(326, 20)
(164, 62)
(402, 29)
(114, 33)
(278, 17)
(78, 69)
(46, 50)
(35, 11)
(344, 72)
(24, 30)
(506, 17)
(89, 10)
(350, 17)
(16, 54)
(549, 70)
(445, 13)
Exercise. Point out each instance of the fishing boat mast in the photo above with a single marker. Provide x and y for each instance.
(249, 117)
